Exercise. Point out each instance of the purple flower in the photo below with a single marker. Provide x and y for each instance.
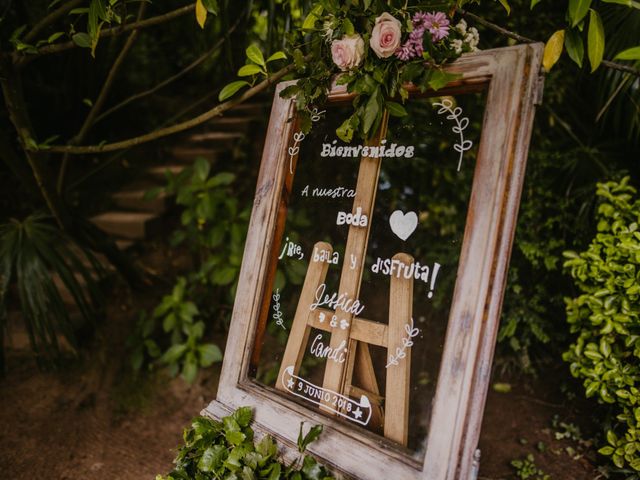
(436, 22)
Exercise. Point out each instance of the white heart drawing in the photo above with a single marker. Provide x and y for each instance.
(403, 224)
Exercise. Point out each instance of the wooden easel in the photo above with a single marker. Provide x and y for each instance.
(359, 332)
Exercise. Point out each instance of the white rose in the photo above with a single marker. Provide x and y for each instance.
(348, 52)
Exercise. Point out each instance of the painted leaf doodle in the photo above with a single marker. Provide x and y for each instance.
(298, 137)
(455, 114)
(407, 342)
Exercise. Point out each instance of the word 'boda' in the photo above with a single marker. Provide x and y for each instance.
(357, 219)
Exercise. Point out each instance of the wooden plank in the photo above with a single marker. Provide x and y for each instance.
(396, 424)
(299, 334)
(362, 330)
(357, 240)
(365, 374)
(272, 266)
(454, 420)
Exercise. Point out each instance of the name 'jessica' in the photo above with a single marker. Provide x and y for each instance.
(381, 151)
(336, 302)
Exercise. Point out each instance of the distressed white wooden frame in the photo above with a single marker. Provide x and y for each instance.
(511, 78)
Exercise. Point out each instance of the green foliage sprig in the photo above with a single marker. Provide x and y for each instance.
(226, 449)
(606, 317)
(346, 41)
(377, 76)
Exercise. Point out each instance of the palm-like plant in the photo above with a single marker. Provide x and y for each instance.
(37, 260)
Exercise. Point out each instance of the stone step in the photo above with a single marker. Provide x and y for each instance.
(128, 225)
(219, 139)
(234, 124)
(255, 109)
(124, 244)
(189, 154)
(134, 199)
(159, 172)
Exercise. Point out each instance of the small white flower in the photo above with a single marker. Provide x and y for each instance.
(472, 39)
(327, 28)
(462, 27)
(457, 45)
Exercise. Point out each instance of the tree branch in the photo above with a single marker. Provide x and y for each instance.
(164, 132)
(19, 57)
(102, 96)
(507, 33)
(201, 59)
(50, 19)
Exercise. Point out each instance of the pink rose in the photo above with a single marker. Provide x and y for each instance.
(348, 52)
(386, 35)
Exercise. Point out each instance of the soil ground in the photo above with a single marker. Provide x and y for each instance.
(93, 420)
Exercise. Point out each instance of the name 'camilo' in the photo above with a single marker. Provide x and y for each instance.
(382, 151)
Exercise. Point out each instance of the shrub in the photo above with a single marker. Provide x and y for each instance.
(226, 449)
(40, 261)
(606, 317)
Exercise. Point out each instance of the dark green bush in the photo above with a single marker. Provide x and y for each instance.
(606, 317)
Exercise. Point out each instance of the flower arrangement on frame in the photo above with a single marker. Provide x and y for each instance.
(374, 48)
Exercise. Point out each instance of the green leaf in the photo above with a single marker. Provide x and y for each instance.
(574, 46)
(277, 56)
(553, 50)
(349, 29)
(311, 436)
(606, 450)
(595, 40)
(224, 276)
(230, 90)
(626, 3)
(243, 416)
(201, 169)
(211, 6)
(255, 55)
(632, 53)
(506, 6)
(440, 78)
(52, 38)
(248, 70)
(372, 110)
(578, 9)
(190, 369)
(209, 354)
(396, 110)
(82, 40)
(534, 3)
(310, 22)
(173, 354)
(212, 458)
(345, 131)
(235, 437)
